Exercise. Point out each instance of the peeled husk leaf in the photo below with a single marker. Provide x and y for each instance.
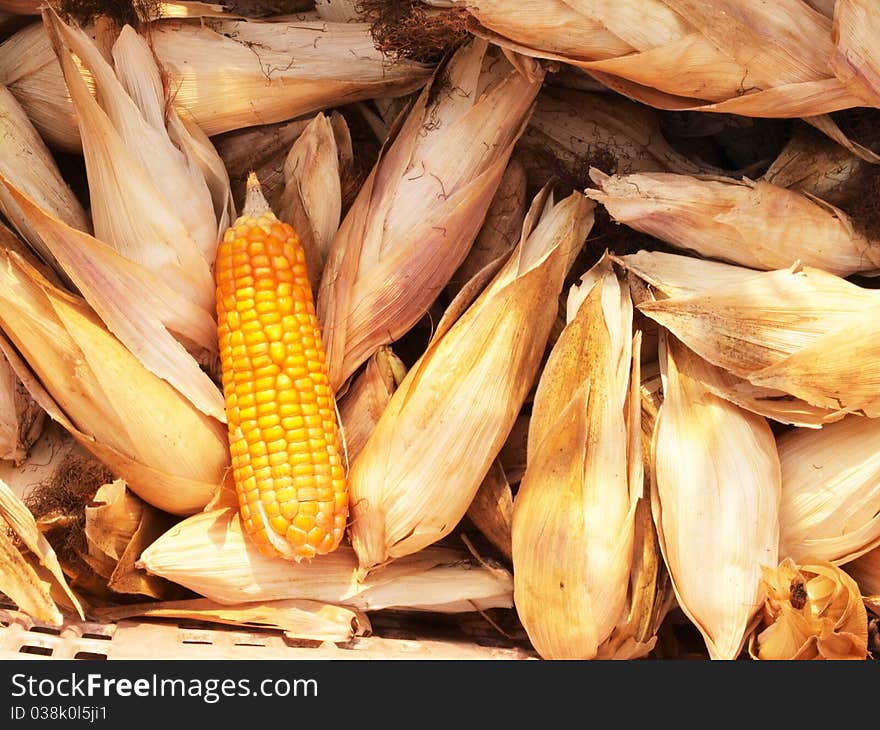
(149, 200)
(754, 224)
(311, 200)
(715, 500)
(571, 130)
(118, 527)
(25, 159)
(209, 554)
(721, 56)
(780, 330)
(298, 619)
(168, 452)
(21, 419)
(422, 205)
(576, 501)
(26, 581)
(363, 403)
(411, 483)
(812, 610)
(830, 508)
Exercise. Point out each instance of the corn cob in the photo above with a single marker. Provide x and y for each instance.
(283, 430)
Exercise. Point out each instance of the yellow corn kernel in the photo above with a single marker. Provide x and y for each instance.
(284, 436)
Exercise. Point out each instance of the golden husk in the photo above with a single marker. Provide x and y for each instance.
(573, 515)
(812, 610)
(715, 499)
(830, 508)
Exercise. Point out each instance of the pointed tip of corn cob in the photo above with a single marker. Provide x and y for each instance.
(255, 204)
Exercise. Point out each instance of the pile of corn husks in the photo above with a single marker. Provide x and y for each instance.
(597, 287)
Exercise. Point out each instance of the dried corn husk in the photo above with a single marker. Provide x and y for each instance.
(571, 130)
(262, 150)
(512, 455)
(753, 224)
(149, 200)
(491, 510)
(21, 419)
(29, 578)
(421, 208)
(577, 498)
(865, 570)
(298, 619)
(226, 74)
(812, 610)
(411, 484)
(723, 56)
(817, 166)
(209, 554)
(28, 163)
(715, 499)
(338, 11)
(855, 61)
(774, 328)
(363, 403)
(169, 453)
(830, 508)
(311, 200)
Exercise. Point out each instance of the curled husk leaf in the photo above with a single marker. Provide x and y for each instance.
(865, 570)
(812, 610)
(779, 330)
(754, 224)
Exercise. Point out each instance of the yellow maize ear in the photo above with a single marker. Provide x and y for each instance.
(283, 430)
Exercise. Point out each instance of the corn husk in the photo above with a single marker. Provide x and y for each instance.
(149, 200)
(31, 573)
(262, 150)
(169, 453)
(830, 508)
(499, 233)
(491, 510)
(311, 200)
(817, 166)
(422, 206)
(226, 74)
(772, 329)
(338, 11)
(855, 61)
(813, 610)
(411, 484)
(715, 500)
(21, 419)
(513, 456)
(577, 498)
(865, 570)
(571, 130)
(728, 56)
(298, 619)
(118, 527)
(363, 403)
(28, 163)
(209, 554)
(754, 224)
